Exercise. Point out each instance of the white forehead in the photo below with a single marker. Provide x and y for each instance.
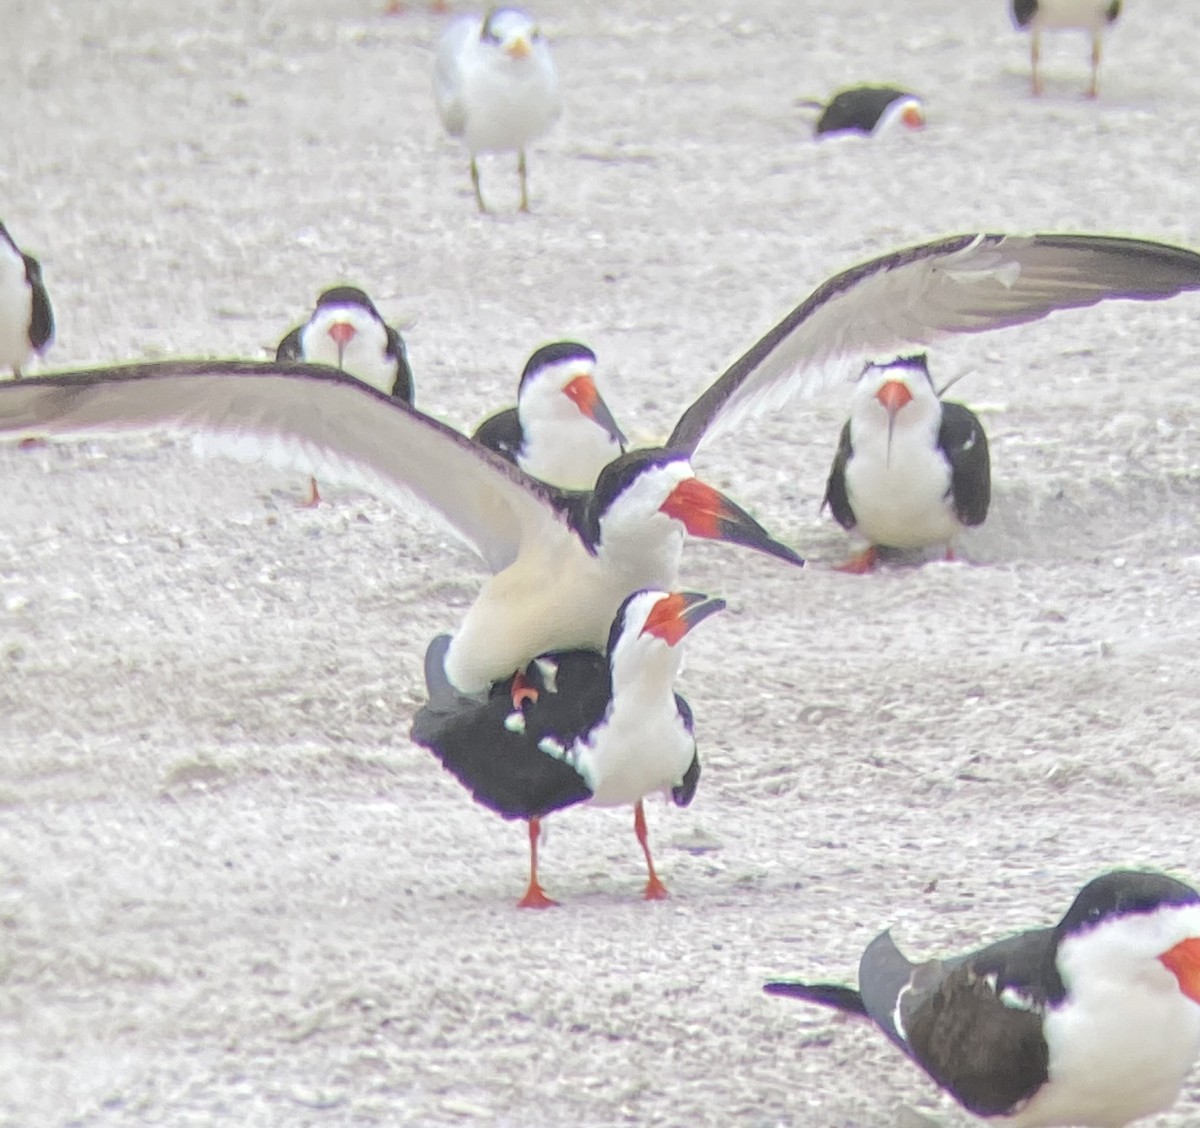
(895, 111)
(508, 23)
(557, 375)
(343, 311)
(654, 485)
(1131, 936)
(638, 611)
(873, 378)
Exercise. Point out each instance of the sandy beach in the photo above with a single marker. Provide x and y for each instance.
(233, 893)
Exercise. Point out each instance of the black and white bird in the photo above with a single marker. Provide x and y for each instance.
(911, 469)
(346, 331)
(1093, 1023)
(873, 110)
(583, 727)
(26, 319)
(546, 546)
(561, 430)
(496, 88)
(563, 561)
(1092, 16)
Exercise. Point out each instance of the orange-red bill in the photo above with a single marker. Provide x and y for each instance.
(705, 512)
(893, 394)
(584, 394)
(342, 333)
(913, 117)
(1183, 961)
(674, 615)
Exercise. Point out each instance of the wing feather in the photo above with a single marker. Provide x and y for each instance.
(308, 417)
(912, 297)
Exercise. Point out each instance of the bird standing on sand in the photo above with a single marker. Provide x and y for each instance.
(1093, 16)
(911, 469)
(347, 332)
(26, 320)
(496, 87)
(1093, 1023)
(585, 727)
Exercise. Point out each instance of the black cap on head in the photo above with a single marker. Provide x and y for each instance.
(347, 295)
(555, 353)
(1123, 893)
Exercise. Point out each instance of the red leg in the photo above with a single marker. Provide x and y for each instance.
(522, 691)
(534, 897)
(655, 889)
(861, 564)
(314, 496)
(950, 552)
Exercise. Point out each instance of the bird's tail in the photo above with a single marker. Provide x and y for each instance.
(826, 994)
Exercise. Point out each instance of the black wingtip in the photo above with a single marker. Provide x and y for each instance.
(824, 994)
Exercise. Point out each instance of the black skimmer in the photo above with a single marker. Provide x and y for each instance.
(346, 331)
(495, 87)
(1094, 1022)
(26, 319)
(582, 727)
(868, 109)
(563, 561)
(546, 545)
(1093, 16)
(561, 430)
(911, 469)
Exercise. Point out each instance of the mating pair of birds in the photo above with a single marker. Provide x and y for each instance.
(564, 562)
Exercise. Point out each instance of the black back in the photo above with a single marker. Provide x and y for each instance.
(41, 320)
(963, 442)
(858, 110)
(835, 487)
(289, 348)
(975, 1024)
(403, 388)
(502, 433)
(505, 770)
(1023, 12)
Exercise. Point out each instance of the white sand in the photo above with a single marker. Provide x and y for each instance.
(230, 890)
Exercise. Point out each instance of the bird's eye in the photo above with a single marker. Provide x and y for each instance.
(1095, 913)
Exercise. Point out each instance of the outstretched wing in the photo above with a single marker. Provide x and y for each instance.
(308, 417)
(959, 284)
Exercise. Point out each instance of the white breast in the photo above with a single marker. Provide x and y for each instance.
(16, 307)
(508, 103)
(901, 500)
(1086, 14)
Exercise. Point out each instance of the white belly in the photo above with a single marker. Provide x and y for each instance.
(16, 306)
(637, 753)
(555, 598)
(570, 457)
(902, 502)
(1085, 14)
(1116, 1059)
(509, 107)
